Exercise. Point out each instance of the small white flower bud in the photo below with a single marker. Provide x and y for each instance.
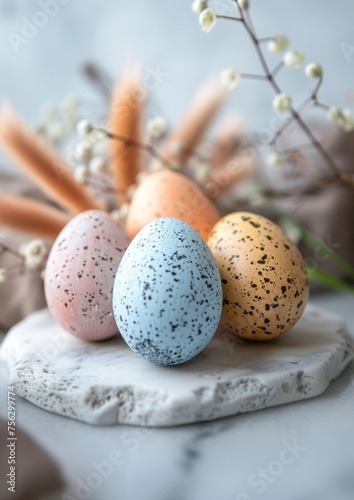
(39, 129)
(101, 147)
(278, 44)
(243, 4)
(55, 131)
(34, 253)
(203, 171)
(282, 102)
(293, 60)
(156, 127)
(70, 103)
(199, 5)
(229, 78)
(348, 124)
(84, 128)
(98, 165)
(257, 197)
(120, 214)
(335, 114)
(83, 150)
(314, 70)
(81, 174)
(130, 191)
(3, 275)
(142, 176)
(292, 231)
(175, 164)
(343, 118)
(207, 20)
(276, 159)
(155, 165)
(48, 110)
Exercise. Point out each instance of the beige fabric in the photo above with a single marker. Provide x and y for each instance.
(329, 216)
(24, 294)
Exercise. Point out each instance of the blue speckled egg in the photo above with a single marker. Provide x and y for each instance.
(167, 296)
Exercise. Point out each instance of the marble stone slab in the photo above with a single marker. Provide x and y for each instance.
(106, 383)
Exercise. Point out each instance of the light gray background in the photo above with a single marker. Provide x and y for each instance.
(166, 33)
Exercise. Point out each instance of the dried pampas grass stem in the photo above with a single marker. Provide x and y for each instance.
(125, 117)
(32, 217)
(180, 144)
(31, 153)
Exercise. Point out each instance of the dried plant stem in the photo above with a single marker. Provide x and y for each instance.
(5, 248)
(103, 186)
(295, 114)
(309, 145)
(43, 164)
(230, 18)
(322, 105)
(182, 142)
(98, 78)
(148, 148)
(250, 76)
(277, 68)
(266, 39)
(126, 111)
(30, 216)
(18, 267)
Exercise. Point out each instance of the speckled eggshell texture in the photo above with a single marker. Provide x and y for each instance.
(265, 284)
(167, 297)
(80, 274)
(170, 194)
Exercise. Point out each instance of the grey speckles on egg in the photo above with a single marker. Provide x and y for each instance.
(167, 296)
(80, 274)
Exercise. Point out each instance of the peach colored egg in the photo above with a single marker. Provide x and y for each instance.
(170, 194)
(80, 274)
(264, 279)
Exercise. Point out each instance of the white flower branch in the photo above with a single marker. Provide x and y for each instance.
(283, 102)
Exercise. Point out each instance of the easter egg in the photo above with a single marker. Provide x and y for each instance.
(167, 296)
(80, 274)
(170, 194)
(264, 279)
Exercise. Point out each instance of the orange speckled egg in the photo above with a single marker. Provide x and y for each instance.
(80, 273)
(170, 194)
(265, 284)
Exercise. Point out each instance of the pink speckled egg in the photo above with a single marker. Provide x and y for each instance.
(80, 274)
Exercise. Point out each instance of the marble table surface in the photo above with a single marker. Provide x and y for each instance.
(303, 450)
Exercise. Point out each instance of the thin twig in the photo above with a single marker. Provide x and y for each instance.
(136, 144)
(305, 145)
(4, 248)
(277, 68)
(104, 188)
(266, 39)
(231, 18)
(252, 76)
(322, 105)
(317, 88)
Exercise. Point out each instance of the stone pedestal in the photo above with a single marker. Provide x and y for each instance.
(106, 383)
